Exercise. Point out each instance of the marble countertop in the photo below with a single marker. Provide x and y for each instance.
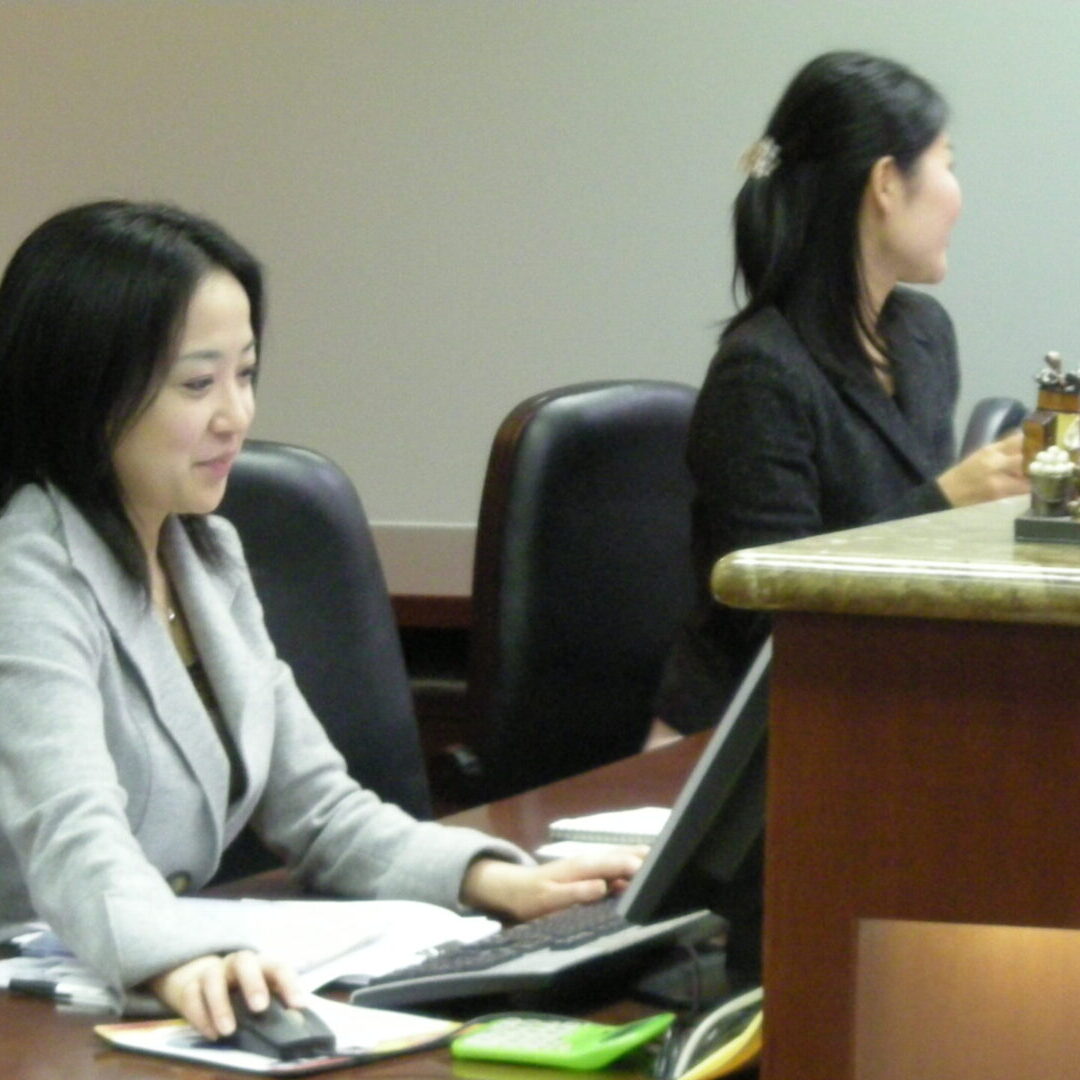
(957, 564)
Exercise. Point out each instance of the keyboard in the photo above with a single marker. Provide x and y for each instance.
(579, 940)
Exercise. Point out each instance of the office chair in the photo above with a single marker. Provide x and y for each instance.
(582, 574)
(318, 576)
(990, 419)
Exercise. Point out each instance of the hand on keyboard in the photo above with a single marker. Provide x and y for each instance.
(532, 956)
(524, 892)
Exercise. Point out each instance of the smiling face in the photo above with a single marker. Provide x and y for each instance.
(175, 456)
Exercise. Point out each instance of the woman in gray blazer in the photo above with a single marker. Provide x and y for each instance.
(145, 715)
(830, 402)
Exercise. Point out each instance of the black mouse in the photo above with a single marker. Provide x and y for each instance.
(280, 1032)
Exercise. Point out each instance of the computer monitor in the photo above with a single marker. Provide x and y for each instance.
(709, 852)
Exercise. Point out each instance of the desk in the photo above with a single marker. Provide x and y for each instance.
(924, 765)
(37, 1043)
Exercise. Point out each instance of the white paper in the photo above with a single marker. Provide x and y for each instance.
(348, 940)
(567, 849)
(325, 941)
(613, 826)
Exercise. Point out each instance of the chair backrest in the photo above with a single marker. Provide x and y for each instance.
(582, 575)
(990, 419)
(318, 576)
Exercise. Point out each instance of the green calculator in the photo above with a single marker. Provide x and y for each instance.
(556, 1040)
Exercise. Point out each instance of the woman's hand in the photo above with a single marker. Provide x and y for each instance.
(523, 892)
(991, 472)
(199, 989)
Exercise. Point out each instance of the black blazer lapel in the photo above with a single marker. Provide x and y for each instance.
(921, 378)
(884, 413)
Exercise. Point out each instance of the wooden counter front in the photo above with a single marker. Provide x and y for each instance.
(924, 757)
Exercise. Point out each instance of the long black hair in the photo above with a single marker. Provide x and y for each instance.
(796, 224)
(91, 306)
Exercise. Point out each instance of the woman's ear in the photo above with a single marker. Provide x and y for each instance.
(885, 185)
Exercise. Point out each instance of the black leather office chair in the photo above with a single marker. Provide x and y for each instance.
(317, 573)
(582, 575)
(991, 418)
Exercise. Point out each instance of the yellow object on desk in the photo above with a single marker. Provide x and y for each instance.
(725, 1041)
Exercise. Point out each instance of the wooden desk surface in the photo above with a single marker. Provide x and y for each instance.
(38, 1043)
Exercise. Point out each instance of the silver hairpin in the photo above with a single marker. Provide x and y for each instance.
(761, 159)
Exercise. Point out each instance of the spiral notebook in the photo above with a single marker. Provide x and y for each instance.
(641, 825)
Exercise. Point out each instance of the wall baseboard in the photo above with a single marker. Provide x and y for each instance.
(426, 560)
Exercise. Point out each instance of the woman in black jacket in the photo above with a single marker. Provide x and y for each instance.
(830, 402)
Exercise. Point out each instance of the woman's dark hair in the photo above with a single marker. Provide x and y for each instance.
(91, 307)
(796, 228)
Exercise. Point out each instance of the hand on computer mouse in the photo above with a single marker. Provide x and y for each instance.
(280, 1031)
(199, 989)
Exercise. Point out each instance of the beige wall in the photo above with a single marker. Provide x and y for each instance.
(461, 202)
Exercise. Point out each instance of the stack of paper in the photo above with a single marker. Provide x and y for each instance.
(348, 941)
(325, 941)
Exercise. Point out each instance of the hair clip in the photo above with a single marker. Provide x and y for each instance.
(761, 159)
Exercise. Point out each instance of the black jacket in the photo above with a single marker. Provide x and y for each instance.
(781, 448)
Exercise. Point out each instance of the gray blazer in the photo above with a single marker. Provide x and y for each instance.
(113, 780)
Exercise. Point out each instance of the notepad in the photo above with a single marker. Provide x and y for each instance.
(641, 825)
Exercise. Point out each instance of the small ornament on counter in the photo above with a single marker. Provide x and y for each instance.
(1052, 458)
(1056, 417)
(1055, 377)
(1053, 482)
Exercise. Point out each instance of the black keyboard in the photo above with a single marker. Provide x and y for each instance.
(531, 955)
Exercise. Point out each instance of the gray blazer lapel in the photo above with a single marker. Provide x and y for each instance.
(144, 639)
(238, 678)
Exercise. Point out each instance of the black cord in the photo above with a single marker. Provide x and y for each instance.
(664, 1065)
(696, 1002)
(675, 1036)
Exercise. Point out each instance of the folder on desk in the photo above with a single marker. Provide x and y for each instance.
(362, 1035)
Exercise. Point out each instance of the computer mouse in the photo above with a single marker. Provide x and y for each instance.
(279, 1031)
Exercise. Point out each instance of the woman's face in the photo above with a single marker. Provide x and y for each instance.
(916, 231)
(175, 457)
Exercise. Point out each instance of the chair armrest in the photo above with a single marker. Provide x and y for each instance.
(991, 418)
